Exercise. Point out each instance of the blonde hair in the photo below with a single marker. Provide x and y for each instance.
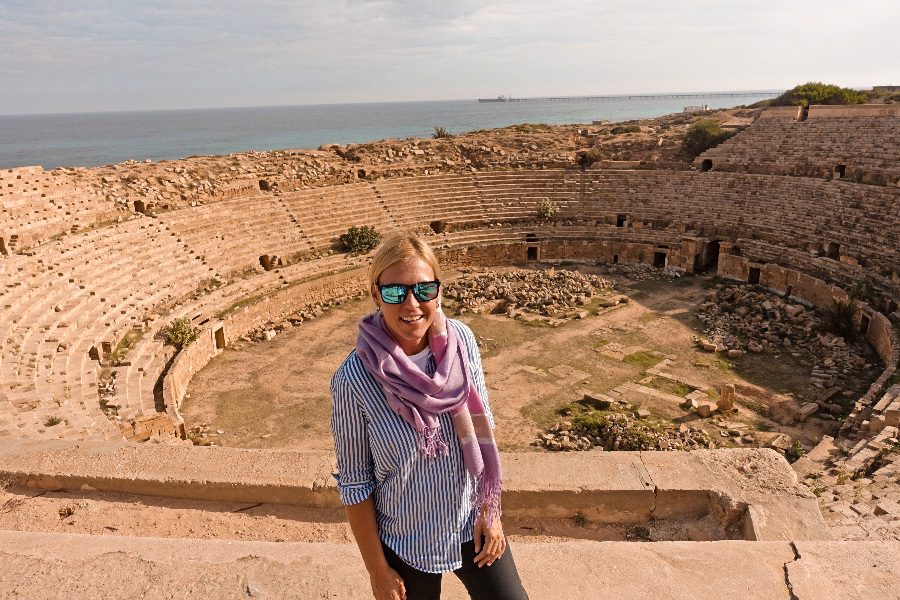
(398, 248)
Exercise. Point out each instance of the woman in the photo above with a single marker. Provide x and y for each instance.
(418, 468)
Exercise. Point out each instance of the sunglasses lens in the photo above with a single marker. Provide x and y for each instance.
(426, 291)
(393, 294)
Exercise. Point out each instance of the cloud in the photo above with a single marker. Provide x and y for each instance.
(97, 54)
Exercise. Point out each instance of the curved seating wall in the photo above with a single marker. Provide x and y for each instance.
(74, 299)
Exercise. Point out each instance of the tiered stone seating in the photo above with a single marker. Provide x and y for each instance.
(414, 203)
(80, 296)
(232, 235)
(511, 195)
(323, 214)
(855, 146)
(36, 205)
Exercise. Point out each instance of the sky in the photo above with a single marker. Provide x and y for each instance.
(95, 55)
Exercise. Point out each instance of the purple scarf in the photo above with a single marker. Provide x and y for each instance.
(419, 399)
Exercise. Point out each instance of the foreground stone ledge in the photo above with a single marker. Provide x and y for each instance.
(751, 491)
(71, 566)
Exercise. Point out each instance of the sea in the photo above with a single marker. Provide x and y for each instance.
(101, 138)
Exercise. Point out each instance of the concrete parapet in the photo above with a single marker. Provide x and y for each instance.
(827, 111)
(725, 488)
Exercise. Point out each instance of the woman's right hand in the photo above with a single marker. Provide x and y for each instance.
(387, 585)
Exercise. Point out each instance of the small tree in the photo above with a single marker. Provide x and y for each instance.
(816, 92)
(180, 333)
(546, 209)
(441, 132)
(584, 160)
(359, 239)
(703, 135)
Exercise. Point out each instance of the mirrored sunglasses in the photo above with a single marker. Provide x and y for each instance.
(395, 293)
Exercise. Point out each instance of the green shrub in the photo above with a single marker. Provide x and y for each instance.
(180, 333)
(625, 129)
(816, 92)
(52, 421)
(794, 453)
(359, 239)
(861, 289)
(441, 132)
(547, 208)
(703, 135)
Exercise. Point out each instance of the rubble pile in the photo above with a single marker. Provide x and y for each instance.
(741, 319)
(270, 329)
(551, 293)
(643, 272)
(857, 487)
(621, 431)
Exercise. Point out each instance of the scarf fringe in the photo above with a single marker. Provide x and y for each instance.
(486, 496)
(431, 444)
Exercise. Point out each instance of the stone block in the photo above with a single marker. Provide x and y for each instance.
(806, 410)
(726, 398)
(705, 409)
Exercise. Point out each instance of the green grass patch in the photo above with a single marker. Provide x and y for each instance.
(642, 358)
(128, 341)
(754, 406)
(670, 387)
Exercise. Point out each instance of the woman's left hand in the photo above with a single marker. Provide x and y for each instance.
(493, 545)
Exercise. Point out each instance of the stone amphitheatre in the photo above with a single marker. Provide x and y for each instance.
(675, 416)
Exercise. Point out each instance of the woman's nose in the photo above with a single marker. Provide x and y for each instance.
(411, 299)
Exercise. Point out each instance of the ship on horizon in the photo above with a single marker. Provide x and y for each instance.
(500, 98)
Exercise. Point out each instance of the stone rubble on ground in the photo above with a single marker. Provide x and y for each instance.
(552, 293)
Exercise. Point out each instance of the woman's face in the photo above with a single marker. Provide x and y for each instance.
(408, 322)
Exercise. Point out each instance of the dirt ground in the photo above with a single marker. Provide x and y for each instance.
(274, 394)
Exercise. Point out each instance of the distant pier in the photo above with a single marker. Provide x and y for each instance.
(502, 99)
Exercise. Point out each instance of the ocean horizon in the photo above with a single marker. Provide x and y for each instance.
(102, 138)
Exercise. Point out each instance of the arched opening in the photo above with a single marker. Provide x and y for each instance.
(753, 276)
(864, 325)
(834, 251)
(660, 259)
(708, 259)
(840, 171)
(532, 255)
(706, 165)
(219, 335)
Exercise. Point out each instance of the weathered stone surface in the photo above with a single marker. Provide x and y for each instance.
(870, 571)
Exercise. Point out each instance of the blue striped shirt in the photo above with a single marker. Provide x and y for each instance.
(423, 505)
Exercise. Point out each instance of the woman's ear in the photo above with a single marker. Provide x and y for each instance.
(373, 292)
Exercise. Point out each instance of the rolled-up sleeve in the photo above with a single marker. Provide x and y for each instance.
(356, 471)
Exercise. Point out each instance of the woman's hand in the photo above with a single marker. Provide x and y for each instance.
(387, 585)
(494, 544)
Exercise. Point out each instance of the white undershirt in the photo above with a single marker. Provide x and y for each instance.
(421, 359)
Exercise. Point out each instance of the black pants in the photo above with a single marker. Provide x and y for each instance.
(500, 581)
